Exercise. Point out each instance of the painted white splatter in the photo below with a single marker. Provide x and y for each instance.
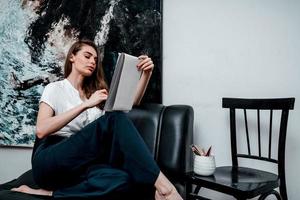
(59, 41)
(102, 35)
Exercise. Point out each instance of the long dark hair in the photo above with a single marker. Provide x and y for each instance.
(91, 83)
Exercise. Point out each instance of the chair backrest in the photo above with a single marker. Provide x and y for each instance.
(168, 132)
(259, 106)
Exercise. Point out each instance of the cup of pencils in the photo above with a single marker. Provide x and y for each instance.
(204, 162)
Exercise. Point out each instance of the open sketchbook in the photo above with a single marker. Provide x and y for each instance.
(124, 83)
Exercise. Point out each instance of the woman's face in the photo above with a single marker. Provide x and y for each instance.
(84, 61)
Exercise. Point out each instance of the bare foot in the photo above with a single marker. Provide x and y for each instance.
(158, 196)
(165, 189)
(29, 190)
(173, 195)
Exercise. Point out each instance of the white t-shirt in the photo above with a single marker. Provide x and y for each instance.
(61, 96)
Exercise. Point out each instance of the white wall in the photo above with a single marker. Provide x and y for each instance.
(13, 162)
(234, 48)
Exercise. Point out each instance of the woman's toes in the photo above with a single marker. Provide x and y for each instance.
(174, 195)
(158, 196)
(22, 188)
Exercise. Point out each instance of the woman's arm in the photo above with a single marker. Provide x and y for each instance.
(47, 123)
(146, 65)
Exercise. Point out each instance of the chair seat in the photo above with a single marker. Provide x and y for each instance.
(238, 181)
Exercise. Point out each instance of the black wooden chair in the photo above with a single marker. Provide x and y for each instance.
(247, 182)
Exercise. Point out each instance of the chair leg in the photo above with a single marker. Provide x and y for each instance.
(282, 189)
(274, 192)
(188, 190)
(197, 189)
(190, 194)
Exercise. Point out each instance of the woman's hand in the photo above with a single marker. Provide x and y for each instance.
(145, 64)
(96, 98)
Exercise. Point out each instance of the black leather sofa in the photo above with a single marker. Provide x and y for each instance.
(168, 132)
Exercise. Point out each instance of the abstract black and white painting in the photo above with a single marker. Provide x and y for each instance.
(35, 36)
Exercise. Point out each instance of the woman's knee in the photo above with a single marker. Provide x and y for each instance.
(116, 114)
(111, 117)
(119, 118)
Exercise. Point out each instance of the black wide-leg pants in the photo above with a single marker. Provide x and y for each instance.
(107, 155)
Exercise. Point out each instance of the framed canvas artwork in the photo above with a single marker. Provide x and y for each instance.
(35, 36)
